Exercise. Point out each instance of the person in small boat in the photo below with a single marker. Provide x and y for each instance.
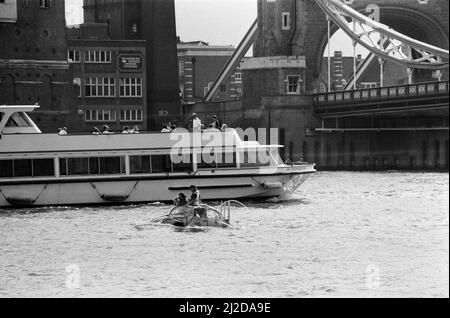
(96, 131)
(180, 200)
(126, 130)
(195, 199)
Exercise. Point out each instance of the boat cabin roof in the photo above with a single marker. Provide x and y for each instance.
(14, 122)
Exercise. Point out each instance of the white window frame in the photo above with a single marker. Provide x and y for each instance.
(44, 4)
(288, 85)
(100, 115)
(365, 85)
(131, 115)
(75, 53)
(77, 82)
(285, 20)
(97, 57)
(130, 87)
(100, 83)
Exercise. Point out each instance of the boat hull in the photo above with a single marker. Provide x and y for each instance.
(142, 190)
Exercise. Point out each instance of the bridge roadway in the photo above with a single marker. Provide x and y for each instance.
(426, 98)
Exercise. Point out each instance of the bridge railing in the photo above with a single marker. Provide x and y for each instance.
(380, 93)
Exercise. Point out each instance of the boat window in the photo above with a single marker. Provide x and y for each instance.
(161, 164)
(22, 168)
(217, 160)
(140, 164)
(26, 168)
(43, 168)
(6, 169)
(183, 163)
(92, 166)
(226, 160)
(253, 158)
(77, 166)
(111, 165)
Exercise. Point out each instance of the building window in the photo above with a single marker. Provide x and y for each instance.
(77, 84)
(44, 4)
(181, 68)
(73, 56)
(238, 76)
(131, 115)
(131, 87)
(286, 21)
(100, 87)
(97, 56)
(25, 3)
(369, 85)
(206, 89)
(133, 28)
(103, 115)
(293, 84)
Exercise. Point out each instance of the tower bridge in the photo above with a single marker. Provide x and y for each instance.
(401, 126)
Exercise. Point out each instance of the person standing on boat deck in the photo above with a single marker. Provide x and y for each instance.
(215, 122)
(126, 130)
(62, 131)
(106, 131)
(167, 128)
(195, 196)
(196, 123)
(135, 130)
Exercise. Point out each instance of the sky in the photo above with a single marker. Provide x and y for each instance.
(219, 22)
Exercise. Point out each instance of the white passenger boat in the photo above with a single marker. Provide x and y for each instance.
(39, 169)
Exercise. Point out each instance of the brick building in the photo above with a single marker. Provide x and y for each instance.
(33, 61)
(152, 21)
(199, 65)
(109, 78)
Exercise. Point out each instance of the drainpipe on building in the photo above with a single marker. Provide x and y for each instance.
(295, 29)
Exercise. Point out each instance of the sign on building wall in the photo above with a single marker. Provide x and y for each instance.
(8, 11)
(130, 62)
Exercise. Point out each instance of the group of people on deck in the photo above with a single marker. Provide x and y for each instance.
(197, 126)
(107, 131)
(215, 124)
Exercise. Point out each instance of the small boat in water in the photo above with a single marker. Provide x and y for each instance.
(202, 215)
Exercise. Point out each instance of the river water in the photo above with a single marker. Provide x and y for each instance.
(342, 234)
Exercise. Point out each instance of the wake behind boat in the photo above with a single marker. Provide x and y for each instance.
(39, 169)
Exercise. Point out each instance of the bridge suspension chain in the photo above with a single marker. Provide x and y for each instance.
(382, 40)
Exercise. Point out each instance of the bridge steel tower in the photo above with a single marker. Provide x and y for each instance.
(281, 79)
(299, 28)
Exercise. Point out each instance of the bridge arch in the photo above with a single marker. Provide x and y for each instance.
(409, 21)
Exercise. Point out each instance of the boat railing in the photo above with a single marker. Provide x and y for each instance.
(223, 212)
